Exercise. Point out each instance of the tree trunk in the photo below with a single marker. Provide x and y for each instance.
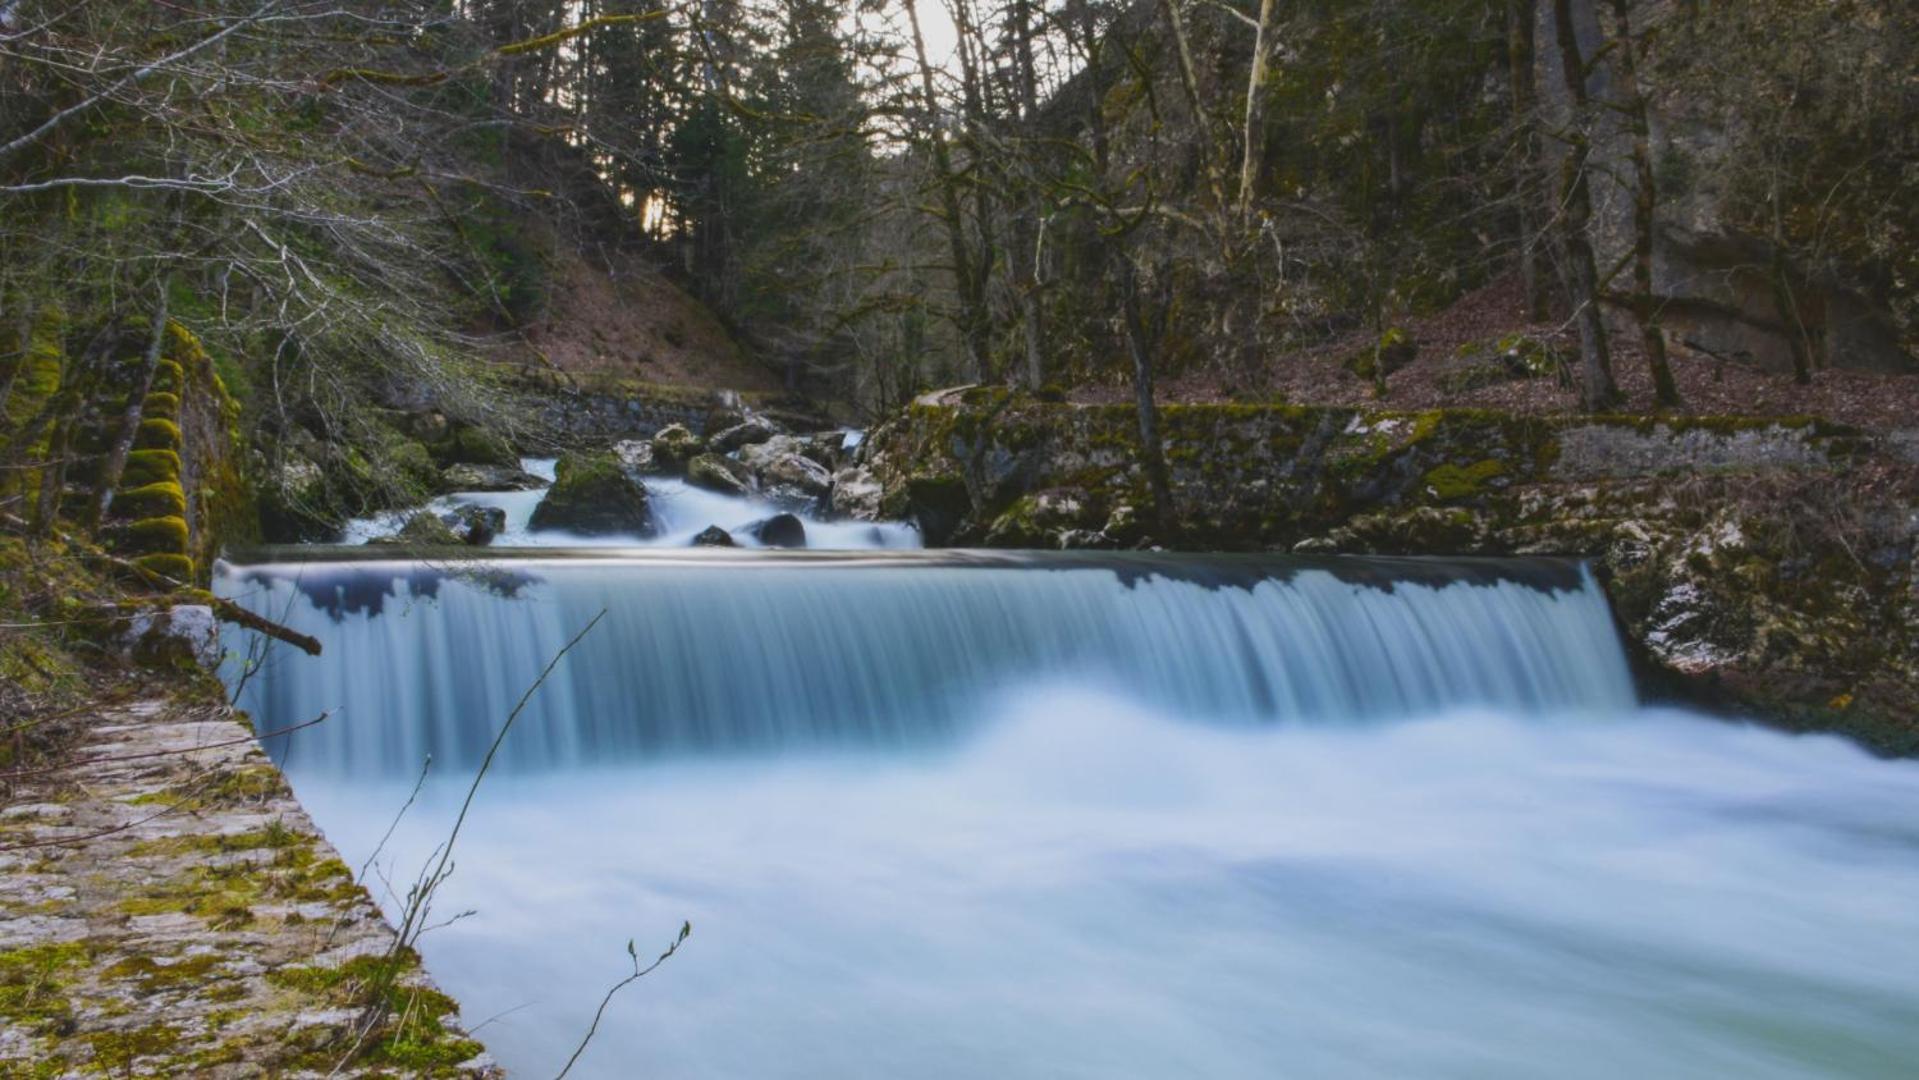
(1645, 206)
(1778, 274)
(1255, 135)
(1522, 69)
(1598, 390)
(972, 325)
(1202, 123)
(116, 461)
(1142, 342)
(1026, 229)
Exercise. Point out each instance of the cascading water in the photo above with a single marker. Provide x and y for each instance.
(759, 652)
(948, 815)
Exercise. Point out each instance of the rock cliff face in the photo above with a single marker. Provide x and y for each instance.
(1766, 563)
(1728, 289)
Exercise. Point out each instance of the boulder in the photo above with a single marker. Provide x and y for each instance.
(721, 474)
(856, 495)
(592, 494)
(751, 431)
(473, 445)
(673, 447)
(467, 477)
(713, 536)
(295, 504)
(636, 455)
(182, 635)
(780, 531)
(780, 462)
(476, 526)
(824, 449)
(423, 529)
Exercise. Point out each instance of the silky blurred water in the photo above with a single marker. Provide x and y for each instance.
(1455, 847)
(680, 512)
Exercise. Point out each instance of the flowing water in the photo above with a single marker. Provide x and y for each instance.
(934, 814)
(680, 511)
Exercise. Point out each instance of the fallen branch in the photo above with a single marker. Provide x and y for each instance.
(228, 611)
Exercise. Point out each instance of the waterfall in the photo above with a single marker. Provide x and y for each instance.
(755, 652)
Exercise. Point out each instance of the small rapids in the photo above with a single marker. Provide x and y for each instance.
(680, 511)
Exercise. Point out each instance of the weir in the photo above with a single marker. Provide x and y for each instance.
(759, 652)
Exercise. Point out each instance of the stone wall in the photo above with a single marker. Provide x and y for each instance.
(1763, 562)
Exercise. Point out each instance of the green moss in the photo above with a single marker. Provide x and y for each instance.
(117, 1051)
(168, 565)
(476, 446)
(162, 404)
(150, 975)
(36, 375)
(1451, 482)
(151, 500)
(32, 983)
(225, 893)
(591, 493)
(275, 834)
(156, 535)
(412, 460)
(151, 467)
(157, 434)
(169, 377)
(417, 1038)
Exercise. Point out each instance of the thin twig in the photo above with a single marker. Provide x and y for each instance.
(686, 928)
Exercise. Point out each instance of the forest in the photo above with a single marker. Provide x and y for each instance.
(1006, 491)
(354, 209)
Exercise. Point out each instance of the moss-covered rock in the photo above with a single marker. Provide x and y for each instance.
(414, 462)
(717, 473)
(474, 445)
(155, 535)
(156, 433)
(164, 499)
(161, 404)
(592, 494)
(173, 567)
(674, 446)
(145, 467)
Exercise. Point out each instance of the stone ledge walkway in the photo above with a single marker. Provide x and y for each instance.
(168, 909)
